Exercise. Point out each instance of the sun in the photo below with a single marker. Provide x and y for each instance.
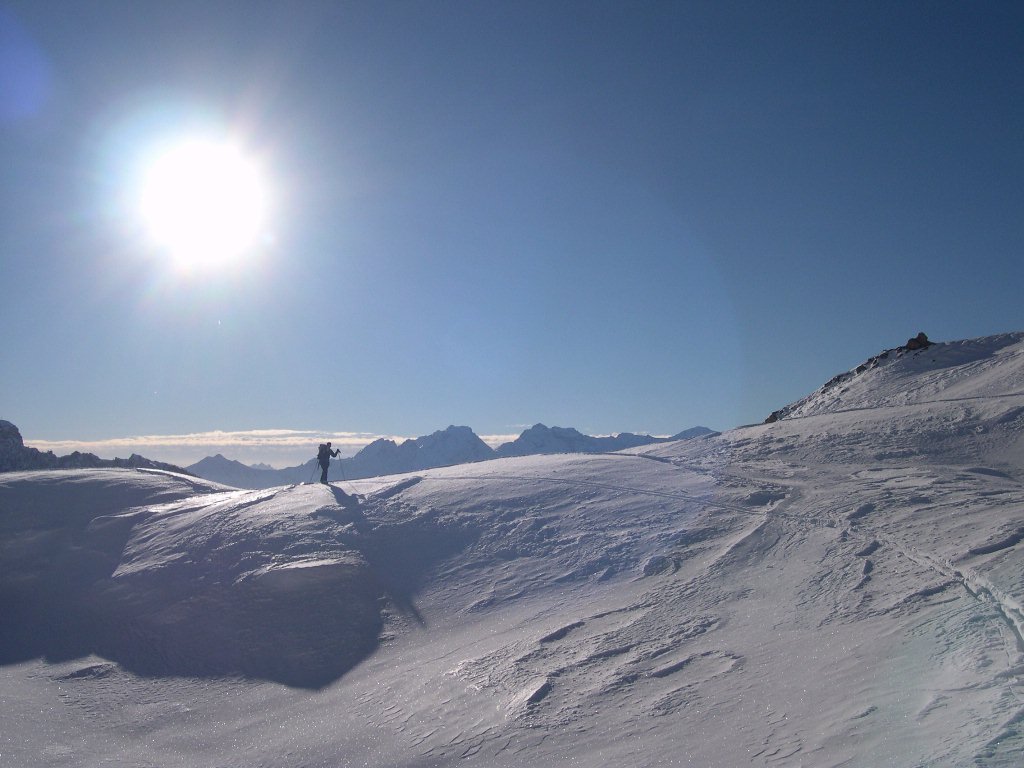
(204, 203)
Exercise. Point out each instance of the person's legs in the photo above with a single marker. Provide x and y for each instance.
(323, 473)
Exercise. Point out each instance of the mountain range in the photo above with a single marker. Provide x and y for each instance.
(443, 448)
(15, 455)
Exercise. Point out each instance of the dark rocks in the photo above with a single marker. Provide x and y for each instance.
(15, 455)
(918, 342)
(11, 446)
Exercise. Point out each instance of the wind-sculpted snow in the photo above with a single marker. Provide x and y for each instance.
(265, 584)
(842, 587)
(281, 584)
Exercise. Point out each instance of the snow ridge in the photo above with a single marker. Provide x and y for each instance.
(991, 366)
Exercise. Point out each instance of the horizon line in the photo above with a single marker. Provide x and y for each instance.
(264, 445)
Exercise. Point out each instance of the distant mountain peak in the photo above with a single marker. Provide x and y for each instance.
(541, 439)
(455, 444)
(692, 432)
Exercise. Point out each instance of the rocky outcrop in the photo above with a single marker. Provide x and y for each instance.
(12, 448)
(15, 455)
(918, 342)
(913, 344)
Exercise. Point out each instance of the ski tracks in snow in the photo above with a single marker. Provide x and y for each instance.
(868, 552)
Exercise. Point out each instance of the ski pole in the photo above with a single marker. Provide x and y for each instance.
(311, 474)
(341, 466)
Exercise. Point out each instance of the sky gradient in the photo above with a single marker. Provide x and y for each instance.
(624, 216)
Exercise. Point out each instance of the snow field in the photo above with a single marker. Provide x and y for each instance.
(840, 588)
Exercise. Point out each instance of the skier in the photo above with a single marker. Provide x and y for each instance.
(324, 457)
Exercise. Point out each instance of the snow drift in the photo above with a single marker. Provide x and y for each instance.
(187, 580)
(841, 587)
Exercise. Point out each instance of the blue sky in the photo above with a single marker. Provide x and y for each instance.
(623, 216)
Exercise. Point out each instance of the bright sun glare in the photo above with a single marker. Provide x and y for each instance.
(204, 202)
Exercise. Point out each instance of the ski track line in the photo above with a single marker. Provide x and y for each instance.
(977, 586)
(982, 590)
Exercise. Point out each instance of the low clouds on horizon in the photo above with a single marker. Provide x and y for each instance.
(277, 447)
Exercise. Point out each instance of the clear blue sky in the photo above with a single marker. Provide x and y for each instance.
(616, 216)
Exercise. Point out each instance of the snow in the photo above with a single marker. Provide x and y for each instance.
(841, 587)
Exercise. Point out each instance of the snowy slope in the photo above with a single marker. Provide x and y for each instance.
(841, 587)
(975, 368)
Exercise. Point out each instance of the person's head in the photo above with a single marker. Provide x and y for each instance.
(328, 443)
